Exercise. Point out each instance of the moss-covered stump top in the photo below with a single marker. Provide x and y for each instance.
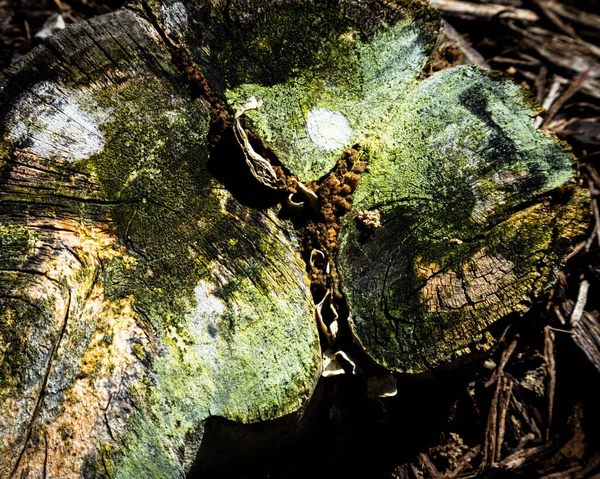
(327, 72)
(462, 185)
(459, 177)
(473, 223)
(137, 296)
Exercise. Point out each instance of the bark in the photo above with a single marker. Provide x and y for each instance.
(153, 298)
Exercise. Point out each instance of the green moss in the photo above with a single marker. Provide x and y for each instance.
(20, 316)
(299, 59)
(5, 150)
(450, 173)
(465, 125)
(456, 170)
(17, 243)
(209, 277)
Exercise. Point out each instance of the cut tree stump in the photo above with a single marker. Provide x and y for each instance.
(154, 299)
(138, 296)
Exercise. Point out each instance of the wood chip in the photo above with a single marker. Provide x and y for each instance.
(574, 15)
(519, 458)
(463, 462)
(506, 391)
(506, 354)
(580, 303)
(429, 466)
(566, 95)
(545, 7)
(549, 99)
(471, 55)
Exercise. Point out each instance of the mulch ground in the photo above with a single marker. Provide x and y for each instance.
(530, 408)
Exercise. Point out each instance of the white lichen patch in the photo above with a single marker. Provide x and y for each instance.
(393, 57)
(207, 304)
(328, 130)
(49, 122)
(174, 17)
(208, 312)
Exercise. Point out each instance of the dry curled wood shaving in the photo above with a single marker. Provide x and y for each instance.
(260, 168)
(330, 332)
(311, 260)
(309, 195)
(294, 204)
(334, 362)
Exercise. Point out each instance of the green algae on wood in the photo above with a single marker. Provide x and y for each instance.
(452, 161)
(473, 227)
(138, 296)
(326, 73)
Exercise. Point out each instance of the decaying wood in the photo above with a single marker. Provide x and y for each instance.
(421, 297)
(529, 421)
(150, 311)
(138, 297)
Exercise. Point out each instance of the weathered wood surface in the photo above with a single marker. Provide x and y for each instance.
(137, 296)
(327, 72)
(140, 296)
(474, 224)
(459, 176)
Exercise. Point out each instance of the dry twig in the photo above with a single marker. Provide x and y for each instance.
(551, 374)
(483, 11)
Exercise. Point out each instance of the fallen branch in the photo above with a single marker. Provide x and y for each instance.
(487, 12)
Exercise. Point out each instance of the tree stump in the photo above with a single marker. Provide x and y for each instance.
(138, 296)
(149, 278)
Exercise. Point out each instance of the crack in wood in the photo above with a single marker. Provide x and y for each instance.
(42, 390)
(48, 370)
